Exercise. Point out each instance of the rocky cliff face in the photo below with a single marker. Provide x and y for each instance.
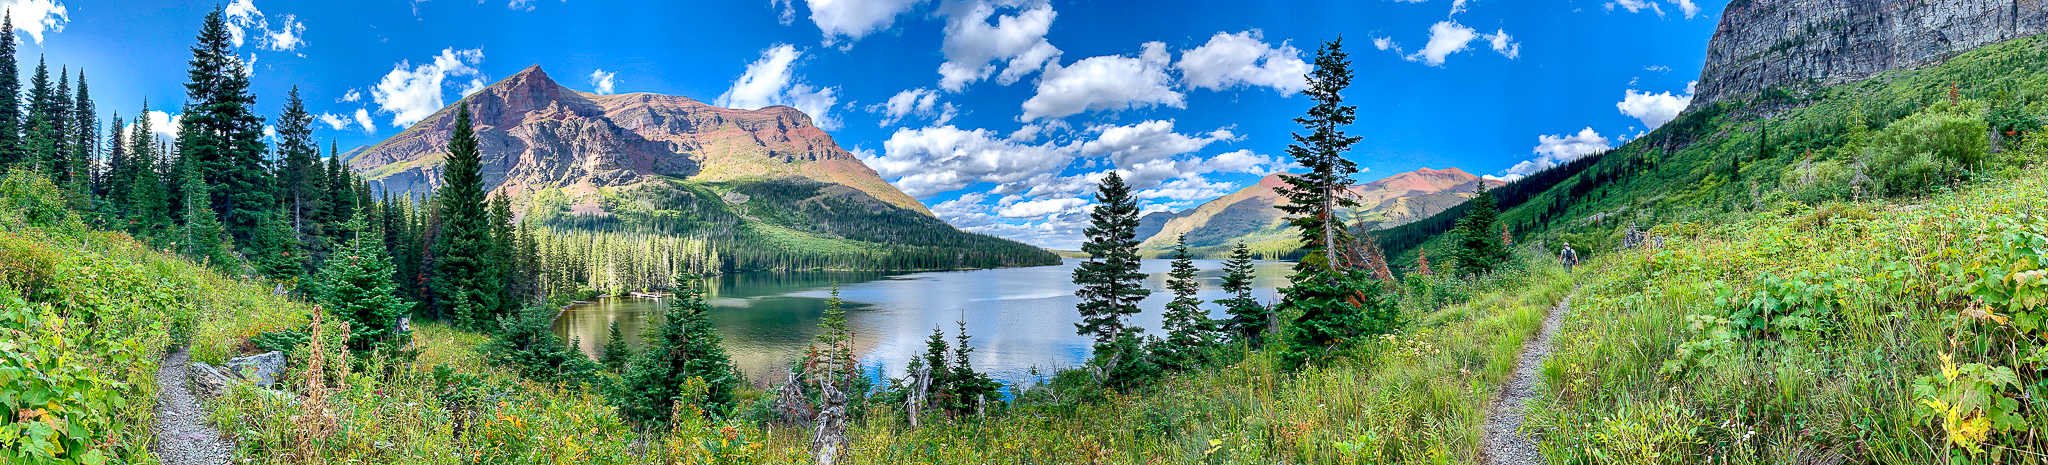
(1767, 43)
(536, 134)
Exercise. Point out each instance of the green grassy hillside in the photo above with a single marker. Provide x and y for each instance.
(1719, 163)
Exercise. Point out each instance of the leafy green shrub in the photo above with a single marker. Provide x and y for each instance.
(285, 341)
(63, 405)
(30, 200)
(1814, 182)
(1929, 148)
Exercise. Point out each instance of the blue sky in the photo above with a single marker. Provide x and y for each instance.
(999, 114)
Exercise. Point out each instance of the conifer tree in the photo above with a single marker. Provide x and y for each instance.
(1248, 318)
(355, 284)
(969, 389)
(85, 132)
(113, 182)
(526, 343)
(38, 141)
(1111, 285)
(203, 238)
(463, 275)
(58, 110)
(299, 175)
(938, 390)
(1336, 301)
(1316, 198)
(615, 353)
(1189, 331)
(1478, 249)
(504, 245)
(12, 150)
(220, 132)
(274, 250)
(147, 198)
(829, 359)
(340, 187)
(683, 350)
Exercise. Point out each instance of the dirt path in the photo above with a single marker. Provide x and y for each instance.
(1501, 444)
(182, 435)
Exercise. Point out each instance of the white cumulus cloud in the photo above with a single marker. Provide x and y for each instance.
(244, 20)
(1244, 58)
(163, 125)
(363, 119)
(849, 20)
(602, 82)
(37, 17)
(931, 160)
(772, 80)
(411, 93)
(1445, 38)
(1104, 83)
(1552, 151)
(1505, 44)
(973, 45)
(920, 102)
(1654, 109)
(1148, 141)
(338, 122)
(1041, 207)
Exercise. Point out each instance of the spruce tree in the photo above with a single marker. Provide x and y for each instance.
(203, 239)
(463, 275)
(504, 247)
(526, 343)
(58, 111)
(147, 201)
(939, 390)
(1189, 331)
(970, 390)
(85, 133)
(1478, 249)
(1111, 285)
(220, 132)
(299, 174)
(615, 353)
(12, 150)
(355, 284)
(1248, 318)
(113, 190)
(38, 138)
(830, 359)
(1337, 302)
(1316, 198)
(683, 364)
(274, 250)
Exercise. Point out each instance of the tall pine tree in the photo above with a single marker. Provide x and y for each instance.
(1189, 331)
(221, 134)
(1478, 248)
(1248, 318)
(39, 133)
(464, 279)
(1336, 300)
(1111, 285)
(12, 150)
(683, 364)
(355, 284)
(299, 174)
(85, 134)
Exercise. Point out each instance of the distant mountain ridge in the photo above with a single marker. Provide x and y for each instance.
(537, 134)
(767, 188)
(1252, 215)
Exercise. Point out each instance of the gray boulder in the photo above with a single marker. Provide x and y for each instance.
(207, 382)
(262, 369)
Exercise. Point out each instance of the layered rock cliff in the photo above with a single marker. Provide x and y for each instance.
(536, 134)
(1762, 44)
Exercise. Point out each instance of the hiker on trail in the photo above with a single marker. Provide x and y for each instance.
(1568, 256)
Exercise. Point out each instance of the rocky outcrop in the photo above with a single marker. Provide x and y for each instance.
(1762, 44)
(536, 134)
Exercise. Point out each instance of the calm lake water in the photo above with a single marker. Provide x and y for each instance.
(1019, 318)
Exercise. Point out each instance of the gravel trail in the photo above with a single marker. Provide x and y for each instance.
(1501, 443)
(182, 435)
